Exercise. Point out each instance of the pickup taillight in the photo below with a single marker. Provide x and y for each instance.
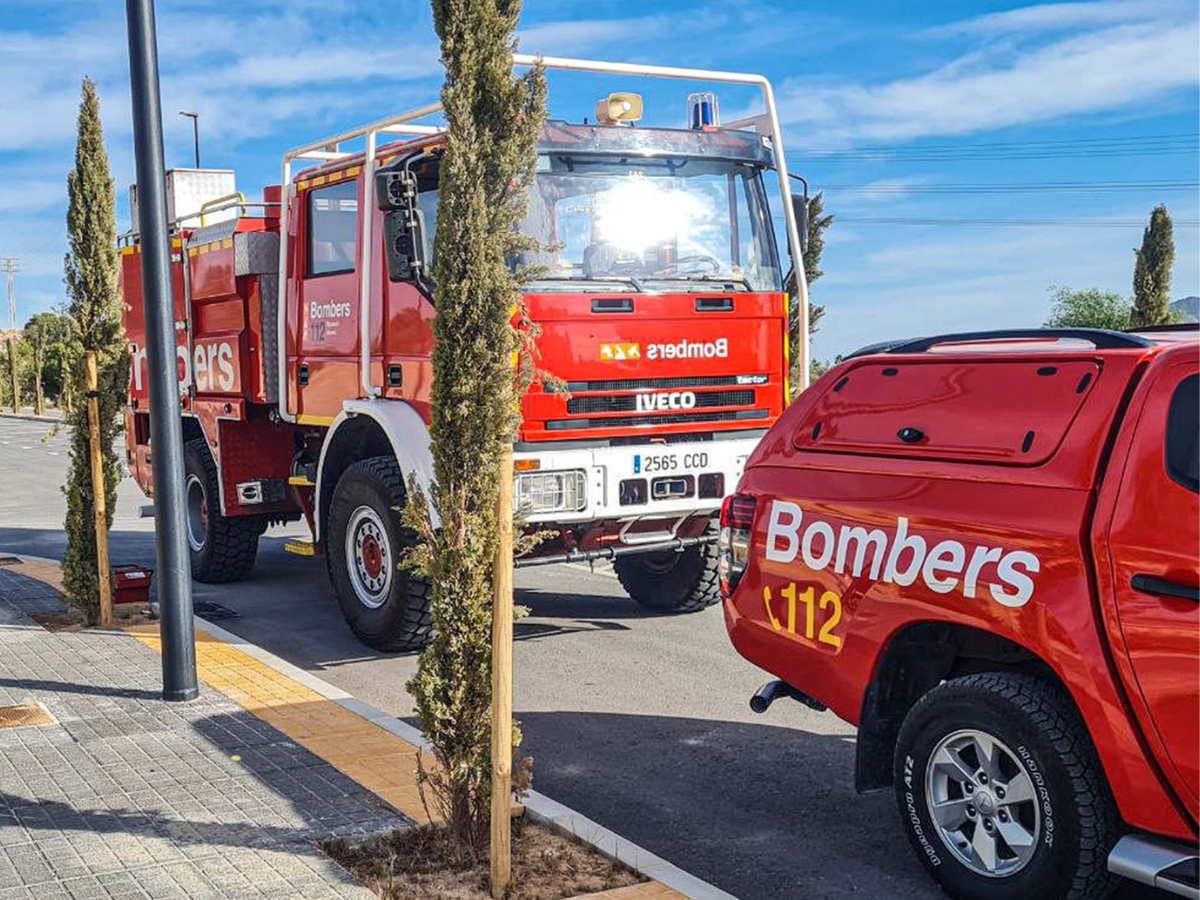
(733, 545)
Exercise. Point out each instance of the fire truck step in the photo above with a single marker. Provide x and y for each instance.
(301, 548)
(301, 481)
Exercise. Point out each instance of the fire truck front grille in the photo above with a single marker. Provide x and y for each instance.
(665, 384)
(680, 418)
(628, 402)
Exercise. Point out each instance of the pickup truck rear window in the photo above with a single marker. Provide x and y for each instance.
(1005, 412)
(1183, 434)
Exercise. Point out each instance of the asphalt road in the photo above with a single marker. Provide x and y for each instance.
(639, 721)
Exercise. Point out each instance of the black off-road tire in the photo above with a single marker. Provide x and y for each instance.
(226, 547)
(402, 620)
(681, 581)
(1036, 720)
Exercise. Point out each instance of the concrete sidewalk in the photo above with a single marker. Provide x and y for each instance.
(120, 795)
(125, 796)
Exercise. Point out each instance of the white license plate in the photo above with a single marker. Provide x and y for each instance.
(669, 463)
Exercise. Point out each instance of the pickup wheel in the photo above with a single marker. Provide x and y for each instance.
(222, 548)
(385, 606)
(1001, 793)
(679, 581)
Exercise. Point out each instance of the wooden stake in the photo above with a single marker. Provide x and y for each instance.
(502, 681)
(99, 493)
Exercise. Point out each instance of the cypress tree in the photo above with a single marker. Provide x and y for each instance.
(493, 120)
(1152, 272)
(818, 221)
(95, 312)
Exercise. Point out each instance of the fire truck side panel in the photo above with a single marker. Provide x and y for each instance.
(323, 303)
(1051, 502)
(137, 420)
(407, 341)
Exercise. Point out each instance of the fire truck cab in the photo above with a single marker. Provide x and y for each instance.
(305, 343)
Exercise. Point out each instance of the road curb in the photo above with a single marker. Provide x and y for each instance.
(539, 807)
(52, 420)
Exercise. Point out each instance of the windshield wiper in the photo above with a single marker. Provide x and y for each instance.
(607, 279)
(707, 276)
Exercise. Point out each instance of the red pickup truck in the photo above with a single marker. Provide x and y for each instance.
(982, 550)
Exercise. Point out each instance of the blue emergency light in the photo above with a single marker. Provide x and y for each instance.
(703, 109)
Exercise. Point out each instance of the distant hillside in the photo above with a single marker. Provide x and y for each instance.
(1187, 309)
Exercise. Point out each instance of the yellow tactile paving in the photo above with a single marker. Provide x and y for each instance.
(378, 760)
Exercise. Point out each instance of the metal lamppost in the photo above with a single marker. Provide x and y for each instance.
(166, 430)
(195, 117)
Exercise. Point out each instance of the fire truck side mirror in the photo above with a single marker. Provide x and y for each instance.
(800, 208)
(404, 245)
(395, 189)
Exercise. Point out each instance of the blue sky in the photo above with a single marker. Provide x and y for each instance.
(915, 118)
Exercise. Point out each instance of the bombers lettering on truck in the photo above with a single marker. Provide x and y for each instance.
(328, 310)
(900, 558)
(718, 349)
(213, 367)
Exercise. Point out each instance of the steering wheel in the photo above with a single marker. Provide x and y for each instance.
(714, 264)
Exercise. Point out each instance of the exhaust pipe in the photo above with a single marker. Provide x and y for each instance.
(773, 690)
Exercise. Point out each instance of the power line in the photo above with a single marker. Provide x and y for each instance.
(1055, 187)
(1012, 223)
(1129, 145)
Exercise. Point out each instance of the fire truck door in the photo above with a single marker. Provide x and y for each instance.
(327, 340)
(1152, 540)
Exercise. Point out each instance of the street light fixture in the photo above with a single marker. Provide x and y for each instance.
(195, 117)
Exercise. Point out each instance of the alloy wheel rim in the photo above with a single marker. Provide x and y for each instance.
(983, 803)
(369, 557)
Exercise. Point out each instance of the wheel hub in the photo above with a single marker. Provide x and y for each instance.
(369, 557)
(983, 804)
(197, 513)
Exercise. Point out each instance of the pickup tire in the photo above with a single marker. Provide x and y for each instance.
(221, 548)
(386, 607)
(679, 581)
(1005, 757)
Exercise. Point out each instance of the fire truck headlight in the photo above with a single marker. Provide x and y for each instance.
(547, 492)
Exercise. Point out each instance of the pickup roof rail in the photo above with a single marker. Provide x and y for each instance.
(1100, 338)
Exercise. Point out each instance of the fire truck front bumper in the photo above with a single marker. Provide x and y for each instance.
(566, 484)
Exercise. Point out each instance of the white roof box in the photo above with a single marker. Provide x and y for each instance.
(188, 190)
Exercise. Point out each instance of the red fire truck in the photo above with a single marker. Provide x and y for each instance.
(304, 347)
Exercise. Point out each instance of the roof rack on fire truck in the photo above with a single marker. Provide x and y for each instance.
(329, 149)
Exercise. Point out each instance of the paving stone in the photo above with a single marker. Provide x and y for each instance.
(129, 798)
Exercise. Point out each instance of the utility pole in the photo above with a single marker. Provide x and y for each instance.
(166, 429)
(11, 267)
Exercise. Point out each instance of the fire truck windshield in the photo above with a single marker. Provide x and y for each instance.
(629, 221)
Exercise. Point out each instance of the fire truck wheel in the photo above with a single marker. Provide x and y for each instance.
(386, 607)
(1001, 793)
(222, 549)
(671, 581)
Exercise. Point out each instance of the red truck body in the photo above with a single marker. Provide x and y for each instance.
(306, 360)
(978, 506)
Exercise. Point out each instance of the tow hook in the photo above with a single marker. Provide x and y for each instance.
(773, 690)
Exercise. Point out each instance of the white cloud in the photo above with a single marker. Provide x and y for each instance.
(575, 36)
(998, 86)
(1059, 16)
(917, 281)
